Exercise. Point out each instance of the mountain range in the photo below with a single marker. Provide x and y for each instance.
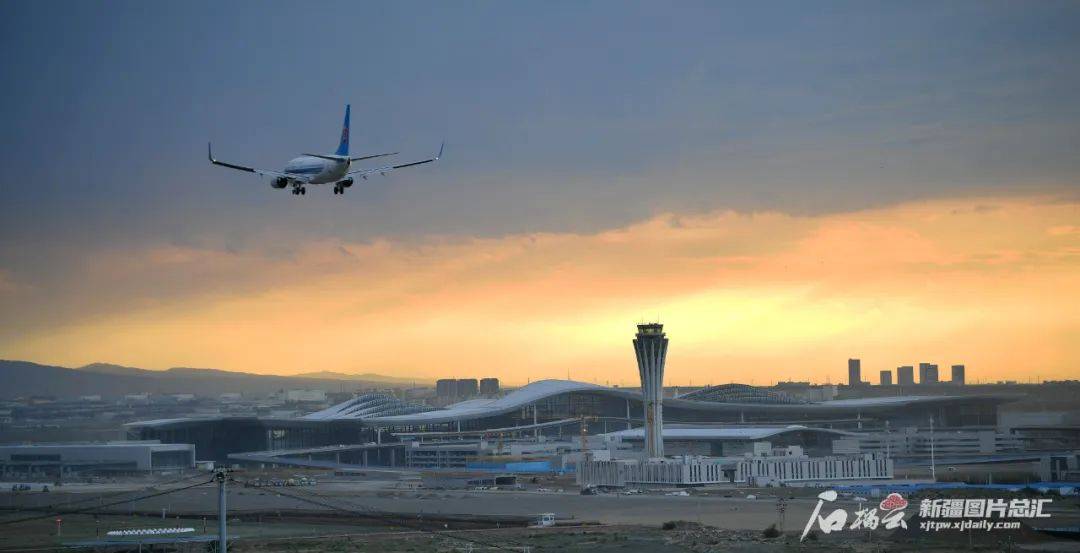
(23, 378)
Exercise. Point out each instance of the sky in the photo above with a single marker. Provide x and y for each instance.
(784, 185)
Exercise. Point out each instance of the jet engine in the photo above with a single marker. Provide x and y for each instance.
(346, 183)
(280, 182)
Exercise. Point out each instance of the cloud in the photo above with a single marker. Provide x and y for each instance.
(786, 296)
(8, 287)
(1063, 230)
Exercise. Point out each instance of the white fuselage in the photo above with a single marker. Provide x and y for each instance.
(317, 169)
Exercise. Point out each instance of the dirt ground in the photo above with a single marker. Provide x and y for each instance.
(273, 519)
(685, 537)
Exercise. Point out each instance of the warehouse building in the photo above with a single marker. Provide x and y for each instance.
(61, 459)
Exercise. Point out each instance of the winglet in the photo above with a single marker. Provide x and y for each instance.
(209, 152)
(441, 146)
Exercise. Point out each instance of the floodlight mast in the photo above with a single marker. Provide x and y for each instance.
(222, 477)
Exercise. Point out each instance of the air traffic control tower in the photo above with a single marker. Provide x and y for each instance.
(650, 345)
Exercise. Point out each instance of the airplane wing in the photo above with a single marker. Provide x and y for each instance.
(387, 168)
(340, 158)
(361, 158)
(257, 171)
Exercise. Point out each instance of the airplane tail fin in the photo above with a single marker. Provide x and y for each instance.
(343, 147)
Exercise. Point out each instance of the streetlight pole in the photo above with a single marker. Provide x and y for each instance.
(933, 469)
(888, 440)
(223, 539)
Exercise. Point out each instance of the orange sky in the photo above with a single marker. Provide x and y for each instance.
(992, 282)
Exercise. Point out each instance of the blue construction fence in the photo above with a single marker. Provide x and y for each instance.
(521, 466)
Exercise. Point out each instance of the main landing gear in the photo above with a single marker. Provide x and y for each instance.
(299, 191)
(340, 186)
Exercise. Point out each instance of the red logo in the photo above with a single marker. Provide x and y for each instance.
(892, 502)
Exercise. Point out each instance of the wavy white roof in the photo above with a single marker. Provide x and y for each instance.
(368, 405)
(368, 408)
(514, 400)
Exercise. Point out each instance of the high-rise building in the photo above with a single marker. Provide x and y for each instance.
(958, 375)
(928, 373)
(467, 387)
(650, 346)
(445, 388)
(854, 372)
(886, 378)
(905, 375)
(489, 386)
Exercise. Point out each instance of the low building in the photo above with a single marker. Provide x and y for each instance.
(305, 396)
(60, 459)
(622, 473)
(465, 480)
(442, 456)
(791, 469)
(733, 441)
(1060, 468)
(137, 399)
(915, 442)
(783, 466)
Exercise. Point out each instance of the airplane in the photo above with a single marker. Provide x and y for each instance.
(315, 169)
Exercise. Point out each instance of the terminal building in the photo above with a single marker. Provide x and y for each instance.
(728, 433)
(549, 409)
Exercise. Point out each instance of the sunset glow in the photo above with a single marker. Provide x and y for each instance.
(748, 297)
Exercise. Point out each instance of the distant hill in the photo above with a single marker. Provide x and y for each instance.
(23, 378)
(108, 368)
(367, 377)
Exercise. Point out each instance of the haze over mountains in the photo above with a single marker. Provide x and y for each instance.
(24, 378)
(363, 377)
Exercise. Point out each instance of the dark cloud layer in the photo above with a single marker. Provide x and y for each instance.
(558, 117)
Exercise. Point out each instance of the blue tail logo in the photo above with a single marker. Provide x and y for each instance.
(343, 147)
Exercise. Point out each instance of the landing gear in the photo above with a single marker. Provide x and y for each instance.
(341, 185)
(299, 190)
